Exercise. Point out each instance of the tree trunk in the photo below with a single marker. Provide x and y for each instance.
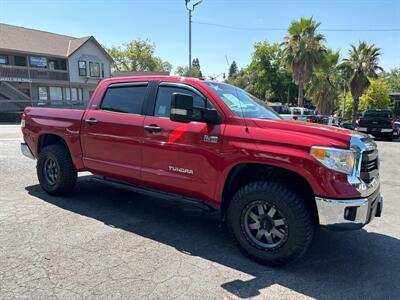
(300, 99)
(354, 115)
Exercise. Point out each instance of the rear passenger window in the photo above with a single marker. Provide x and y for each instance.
(163, 101)
(125, 99)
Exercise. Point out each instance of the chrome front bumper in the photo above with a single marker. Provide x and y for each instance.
(348, 214)
(26, 151)
(353, 213)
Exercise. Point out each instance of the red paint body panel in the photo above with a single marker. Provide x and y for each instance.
(119, 147)
(113, 146)
(65, 123)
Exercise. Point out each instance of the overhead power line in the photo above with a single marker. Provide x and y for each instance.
(285, 29)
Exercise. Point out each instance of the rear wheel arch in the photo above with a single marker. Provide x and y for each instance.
(47, 139)
(244, 173)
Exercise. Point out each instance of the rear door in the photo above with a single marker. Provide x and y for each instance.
(180, 157)
(113, 132)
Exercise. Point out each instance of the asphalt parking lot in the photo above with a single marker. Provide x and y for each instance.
(104, 242)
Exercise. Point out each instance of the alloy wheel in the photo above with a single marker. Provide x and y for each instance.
(264, 225)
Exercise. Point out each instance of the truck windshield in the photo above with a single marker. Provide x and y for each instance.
(242, 103)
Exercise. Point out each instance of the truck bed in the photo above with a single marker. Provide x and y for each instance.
(41, 121)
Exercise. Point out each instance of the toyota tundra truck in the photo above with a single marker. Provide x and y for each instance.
(273, 181)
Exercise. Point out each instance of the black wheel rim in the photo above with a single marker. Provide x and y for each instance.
(50, 171)
(264, 225)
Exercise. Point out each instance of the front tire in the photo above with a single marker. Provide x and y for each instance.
(55, 170)
(270, 222)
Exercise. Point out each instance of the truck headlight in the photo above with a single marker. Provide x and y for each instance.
(339, 160)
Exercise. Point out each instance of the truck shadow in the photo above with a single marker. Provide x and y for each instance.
(339, 264)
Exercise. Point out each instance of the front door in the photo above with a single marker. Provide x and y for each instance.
(180, 157)
(112, 134)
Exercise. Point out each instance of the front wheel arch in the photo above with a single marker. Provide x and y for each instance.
(244, 173)
(295, 226)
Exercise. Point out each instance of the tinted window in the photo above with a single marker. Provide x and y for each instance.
(126, 99)
(163, 101)
(378, 114)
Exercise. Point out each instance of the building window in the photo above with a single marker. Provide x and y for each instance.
(94, 69)
(74, 94)
(102, 70)
(67, 94)
(3, 59)
(20, 60)
(80, 96)
(38, 62)
(52, 64)
(56, 93)
(82, 68)
(43, 95)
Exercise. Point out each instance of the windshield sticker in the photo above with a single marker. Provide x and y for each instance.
(215, 87)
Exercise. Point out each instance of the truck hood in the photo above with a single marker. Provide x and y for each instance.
(303, 134)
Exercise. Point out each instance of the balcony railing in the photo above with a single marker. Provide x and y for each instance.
(25, 74)
(8, 106)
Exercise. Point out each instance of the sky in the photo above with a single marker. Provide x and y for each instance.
(241, 23)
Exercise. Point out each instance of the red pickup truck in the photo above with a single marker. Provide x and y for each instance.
(273, 180)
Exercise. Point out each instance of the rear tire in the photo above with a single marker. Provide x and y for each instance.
(55, 170)
(271, 223)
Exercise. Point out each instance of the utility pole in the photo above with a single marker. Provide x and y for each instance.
(190, 10)
(344, 101)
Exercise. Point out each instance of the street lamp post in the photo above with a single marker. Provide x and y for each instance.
(190, 10)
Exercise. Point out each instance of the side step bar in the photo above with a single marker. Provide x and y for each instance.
(156, 193)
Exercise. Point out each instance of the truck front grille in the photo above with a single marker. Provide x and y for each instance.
(369, 165)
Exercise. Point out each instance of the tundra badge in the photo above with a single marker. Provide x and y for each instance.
(181, 170)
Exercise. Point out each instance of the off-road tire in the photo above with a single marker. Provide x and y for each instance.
(299, 222)
(67, 176)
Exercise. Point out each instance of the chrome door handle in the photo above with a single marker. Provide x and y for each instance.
(152, 128)
(91, 121)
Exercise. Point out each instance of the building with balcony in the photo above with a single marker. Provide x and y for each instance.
(43, 68)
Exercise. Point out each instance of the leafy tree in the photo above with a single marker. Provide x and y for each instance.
(324, 88)
(271, 78)
(348, 105)
(376, 96)
(361, 64)
(242, 79)
(233, 69)
(196, 69)
(267, 76)
(184, 71)
(393, 79)
(137, 56)
(303, 52)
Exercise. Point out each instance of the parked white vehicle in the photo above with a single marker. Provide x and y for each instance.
(298, 113)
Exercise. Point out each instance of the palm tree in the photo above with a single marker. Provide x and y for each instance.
(324, 87)
(361, 64)
(303, 51)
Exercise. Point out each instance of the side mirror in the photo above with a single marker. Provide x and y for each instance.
(181, 108)
(210, 116)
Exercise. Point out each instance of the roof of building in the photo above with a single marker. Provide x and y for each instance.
(23, 39)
